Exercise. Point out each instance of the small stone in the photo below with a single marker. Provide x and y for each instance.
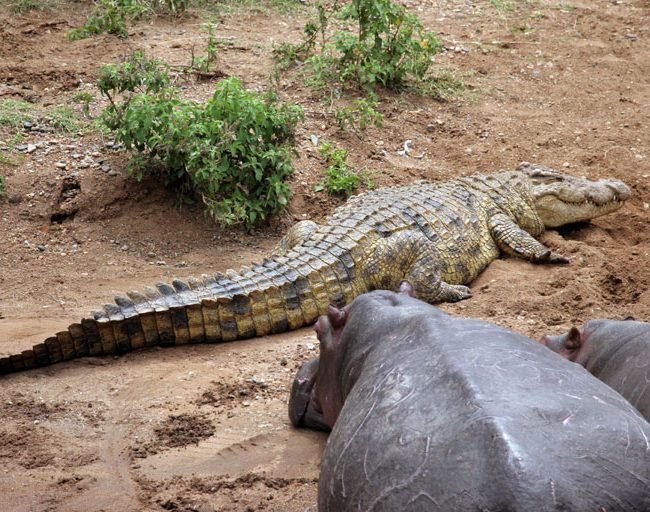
(28, 125)
(646, 205)
(257, 380)
(310, 346)
(151, 255)
(61, 165)
(124, 248)
(314, 139)
(14, 199)
(21, 147)
(31, 148)
(105, 167)
(113, 173)
(243, 392)
(180, 264)
(161, 263)
(40, 247)
(284, 361)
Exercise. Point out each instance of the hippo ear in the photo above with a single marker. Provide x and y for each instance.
(573, 339)
(405, 288)
(336, 316)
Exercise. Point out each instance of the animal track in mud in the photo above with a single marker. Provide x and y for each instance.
(176, 431)
(228, 394)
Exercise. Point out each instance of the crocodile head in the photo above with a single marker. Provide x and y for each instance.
(562, 199)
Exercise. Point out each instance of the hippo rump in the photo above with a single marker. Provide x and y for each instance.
(430, 412)
(615, 351)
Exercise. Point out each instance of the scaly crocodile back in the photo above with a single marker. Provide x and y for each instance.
(335, 263)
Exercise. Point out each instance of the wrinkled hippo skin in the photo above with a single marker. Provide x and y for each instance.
(615, 351)
(431, 412)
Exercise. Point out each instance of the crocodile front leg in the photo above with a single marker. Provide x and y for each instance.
(513, 240)
(411, 256)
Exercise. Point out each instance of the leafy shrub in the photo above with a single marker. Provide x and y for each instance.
(359, 115)
(388, 46)
(233, 151)
(112, 16)
(340, 178)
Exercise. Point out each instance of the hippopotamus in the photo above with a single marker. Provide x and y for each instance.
(431, 412)
(615, 351)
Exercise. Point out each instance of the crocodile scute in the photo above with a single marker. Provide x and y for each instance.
(439, 236)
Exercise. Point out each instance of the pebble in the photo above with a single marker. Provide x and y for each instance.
(61, 165)
(105, 168)
(310, 346)
(257, 380)
(113, 173)
(180, 264)
(28, 125)
(31, 148)
(40, 247)
(21, 147)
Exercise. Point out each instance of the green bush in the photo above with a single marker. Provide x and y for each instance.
(112, 16)
(340, 178)
(234, 151)
(359, 115)
(385, 46)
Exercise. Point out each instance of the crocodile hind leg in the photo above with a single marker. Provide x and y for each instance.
(513, 240)
(297, 234)
(410, 256)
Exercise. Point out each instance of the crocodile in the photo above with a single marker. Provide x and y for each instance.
(439, 236)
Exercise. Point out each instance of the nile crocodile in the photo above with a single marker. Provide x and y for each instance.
(438, 236)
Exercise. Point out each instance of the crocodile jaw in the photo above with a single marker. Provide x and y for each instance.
(562, 199)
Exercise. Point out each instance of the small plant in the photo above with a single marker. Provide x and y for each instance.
(14, 113)
(3, 186)
(340, 178)
(233, 151)
(204, 63)
(112, 16)
(503, 6)
(22, 6)
(83, 98)
(360, 114)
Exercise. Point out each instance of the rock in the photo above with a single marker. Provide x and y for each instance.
(105, 168)
(21, 147)
(113, 173)
(40, 247)
(28, 125)
(14, 199)
(61, 165)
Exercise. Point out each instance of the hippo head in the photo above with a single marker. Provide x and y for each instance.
(317, 396)
(580, 343)
(315, 399)
(567, 345)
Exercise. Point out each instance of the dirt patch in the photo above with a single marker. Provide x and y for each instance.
(562, 84)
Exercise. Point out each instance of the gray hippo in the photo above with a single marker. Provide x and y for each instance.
(615, 351)
(431, 412)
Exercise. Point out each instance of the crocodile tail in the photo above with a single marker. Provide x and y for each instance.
(267, 299)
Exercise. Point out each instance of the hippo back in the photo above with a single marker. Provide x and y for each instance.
(451, 414)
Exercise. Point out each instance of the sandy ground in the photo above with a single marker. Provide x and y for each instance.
(205, 428)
